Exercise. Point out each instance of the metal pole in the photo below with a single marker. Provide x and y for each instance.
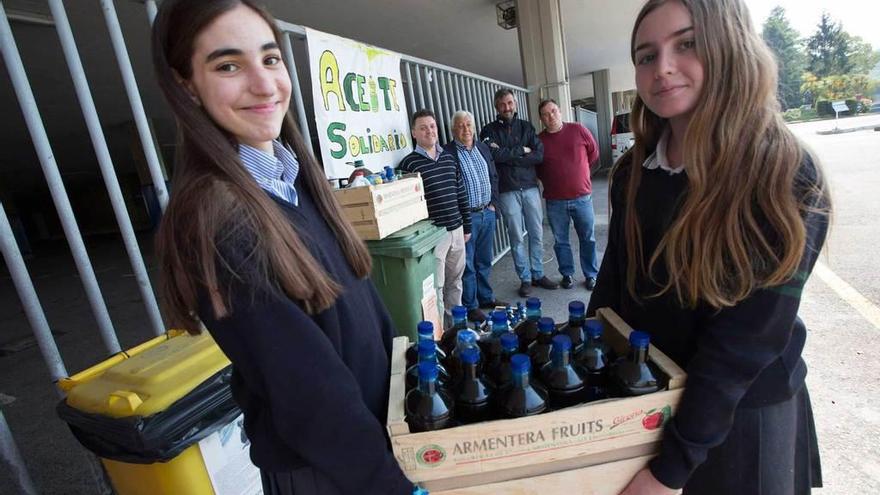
(469, 94)
(9, 451)
(441, 114)
(134, 100)
(409, 88)
(32, 307)
(152, 10)
(444, 98)
(419, 89)
(287, 52)
(475, 103)
(53, 178)
(427, 89)
(484, 99)
(453, 91)
(105, 163)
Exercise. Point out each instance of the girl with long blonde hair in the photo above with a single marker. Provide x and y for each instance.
(718, 216)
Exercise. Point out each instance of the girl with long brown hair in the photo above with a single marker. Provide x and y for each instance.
(718, 216)
(254, 246)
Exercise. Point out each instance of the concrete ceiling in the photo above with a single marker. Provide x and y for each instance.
(458, 33)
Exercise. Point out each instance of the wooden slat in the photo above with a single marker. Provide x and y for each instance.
(604, 479)
(398, 354)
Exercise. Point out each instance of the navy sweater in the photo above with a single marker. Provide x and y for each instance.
(313, 388)
(744, 356)
(447, 198)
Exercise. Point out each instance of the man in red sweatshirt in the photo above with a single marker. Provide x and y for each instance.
(569, 151)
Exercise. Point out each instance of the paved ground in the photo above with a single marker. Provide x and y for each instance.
(839, 307)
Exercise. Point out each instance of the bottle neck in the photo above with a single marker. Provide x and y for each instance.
(459, 323)
(428, 387)
(470, 371)
(638, 355)
(561, 359)
(520, 380)
(428, 358)
(425, 336)
(533, 314)
(576, 319)
(499, 328)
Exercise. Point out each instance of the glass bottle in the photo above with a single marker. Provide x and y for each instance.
(594, 359)
(564, 382)
(633, 374)
(539, 350)
(527, 330)
(499, 374)
(472, 393)
(490, 344)
(427, 354)
(428, 406)
(522, 398)
(425, 331)
(575, 327)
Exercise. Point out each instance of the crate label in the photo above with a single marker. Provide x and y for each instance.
(555, 434)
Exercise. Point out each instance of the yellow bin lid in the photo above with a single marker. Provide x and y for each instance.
(146, 379)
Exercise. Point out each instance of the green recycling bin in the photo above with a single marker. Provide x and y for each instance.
(404, 269)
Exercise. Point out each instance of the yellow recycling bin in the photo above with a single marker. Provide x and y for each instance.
(143, 412)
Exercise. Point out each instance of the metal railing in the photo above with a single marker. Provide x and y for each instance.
(438, 87)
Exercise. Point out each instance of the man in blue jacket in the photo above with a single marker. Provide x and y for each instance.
(516, 150)
(481, 181)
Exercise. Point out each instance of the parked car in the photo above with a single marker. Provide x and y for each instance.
(622, 137)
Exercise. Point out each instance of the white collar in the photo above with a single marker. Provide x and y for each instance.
(658, 157)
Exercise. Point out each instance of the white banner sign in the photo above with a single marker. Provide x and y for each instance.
(359, 105)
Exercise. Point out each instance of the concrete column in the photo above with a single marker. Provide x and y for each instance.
(602, 96)
(542, 47)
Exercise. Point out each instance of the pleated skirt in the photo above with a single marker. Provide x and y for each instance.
(772, 450)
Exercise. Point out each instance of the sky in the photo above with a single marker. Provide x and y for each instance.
(859, 17)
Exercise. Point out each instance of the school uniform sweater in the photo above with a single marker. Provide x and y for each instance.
(444, 188)
(746, 356)
(313, 388)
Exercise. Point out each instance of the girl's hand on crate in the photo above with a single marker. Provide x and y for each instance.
(644, 483)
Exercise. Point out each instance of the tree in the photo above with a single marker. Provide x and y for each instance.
(829, 49)
(861, 54)
(790, 59)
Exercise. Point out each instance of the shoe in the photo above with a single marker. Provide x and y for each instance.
(545, 283)
(525, 289)
(476, 315)
(590, 283)
(567, 282)
(493, 304)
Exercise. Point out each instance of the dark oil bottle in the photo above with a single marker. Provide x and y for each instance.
(522, 398)
(472, 393)
(539, 350)
(467, 339)
(425, 331)
(595, 359)
(527, 330)
(459, 322)
(633, 374)
(575, 327)
(428, 406)
(499, 374)
(564, 383)
(427, 354)
(490, 344)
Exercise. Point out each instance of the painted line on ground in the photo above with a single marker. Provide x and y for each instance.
(848, 293)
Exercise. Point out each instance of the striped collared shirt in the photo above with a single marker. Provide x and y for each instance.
(476, 175)
(274, 173)
(437, 149)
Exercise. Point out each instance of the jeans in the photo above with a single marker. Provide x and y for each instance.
(516, 206)
(580, 211)
(475, 283)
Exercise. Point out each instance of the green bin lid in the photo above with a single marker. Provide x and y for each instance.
(409, 242)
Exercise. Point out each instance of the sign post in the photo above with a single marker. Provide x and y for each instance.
(838, 106)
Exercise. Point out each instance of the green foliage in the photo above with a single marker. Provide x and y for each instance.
(784, 41)
(836, 87)
(792, 114)
(829, 49)
(861, 54)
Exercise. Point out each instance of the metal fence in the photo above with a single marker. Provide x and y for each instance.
(440, 88)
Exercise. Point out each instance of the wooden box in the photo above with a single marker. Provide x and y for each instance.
(595, 447)
(378, 211)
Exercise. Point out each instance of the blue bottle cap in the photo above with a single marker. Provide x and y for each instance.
(546, 325)
(576, 308)
(509, 341)
(466, 338)
(428, 370)
(519, 364)
(471, 355)
(639, 340)
(426, 328)
(427, 346)
(499, 317)
(561, 343)
(533, 303)
(593, 328)
(459, 312)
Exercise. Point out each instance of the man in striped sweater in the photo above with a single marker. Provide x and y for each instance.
(448, 205)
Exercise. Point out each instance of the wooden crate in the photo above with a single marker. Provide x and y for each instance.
(547, 454)
(378, 211)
